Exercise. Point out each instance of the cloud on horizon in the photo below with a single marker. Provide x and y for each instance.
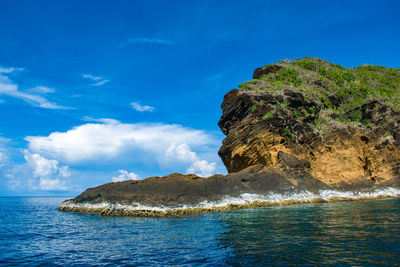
(4, 159)
(49, 172)
(58, 162)
(164, 144)
(37, 173)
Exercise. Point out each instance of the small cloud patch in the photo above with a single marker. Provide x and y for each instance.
(98, 80)
(144, 40)
(125, 176)
(42, 89)
(138, 107)
(10, 70)
(33, 96)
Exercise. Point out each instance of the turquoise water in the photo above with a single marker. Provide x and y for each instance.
(33, 232)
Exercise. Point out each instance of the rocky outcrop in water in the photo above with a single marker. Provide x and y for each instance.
(298, 130)
(178, 190)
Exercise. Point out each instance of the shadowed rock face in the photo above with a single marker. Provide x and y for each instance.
(266, 70)
(275, 145)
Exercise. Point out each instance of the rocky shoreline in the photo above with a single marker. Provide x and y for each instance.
(305, 131)
(242, 202)
(288, 183)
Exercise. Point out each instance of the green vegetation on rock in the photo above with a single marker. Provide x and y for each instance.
(268, 115)
(339, 94)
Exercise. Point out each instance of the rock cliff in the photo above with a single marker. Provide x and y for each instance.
(300, 131)
(343, 122)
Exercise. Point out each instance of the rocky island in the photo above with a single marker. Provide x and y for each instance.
(301, 131)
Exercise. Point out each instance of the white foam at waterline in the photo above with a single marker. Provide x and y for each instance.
(245, 198)
(386, 191)
(108, 205)
(303, 196)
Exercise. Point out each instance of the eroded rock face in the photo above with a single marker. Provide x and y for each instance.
(337, 156)
(254, 137)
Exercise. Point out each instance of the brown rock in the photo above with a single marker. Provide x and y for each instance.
(266, 70)
(339, 157)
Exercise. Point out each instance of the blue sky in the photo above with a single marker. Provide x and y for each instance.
(96, 91)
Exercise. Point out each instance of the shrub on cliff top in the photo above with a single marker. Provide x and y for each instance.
(338, 90)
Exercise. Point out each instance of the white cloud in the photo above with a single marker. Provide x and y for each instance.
(49, 172)
(35, 100)
(101, 120)
(10, 70)
(101, 82)
(13, 182)
(7, 169)
(42, 89)
(97, 79)
(200, 167)
(51, 185)
(4, 141)
(143, 40)
(43, 167)
(124, 176)
(3, 159)
(164, 144)
(6, 85)
(36, 173)
(31, 96)
(141, 108)
(91, 77)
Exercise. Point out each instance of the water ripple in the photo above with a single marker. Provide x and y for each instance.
(33, 232)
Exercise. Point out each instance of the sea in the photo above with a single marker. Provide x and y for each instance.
(33, 232)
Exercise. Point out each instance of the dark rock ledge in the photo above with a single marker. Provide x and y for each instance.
(178, 194)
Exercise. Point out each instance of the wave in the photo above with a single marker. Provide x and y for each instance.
(245, 200)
